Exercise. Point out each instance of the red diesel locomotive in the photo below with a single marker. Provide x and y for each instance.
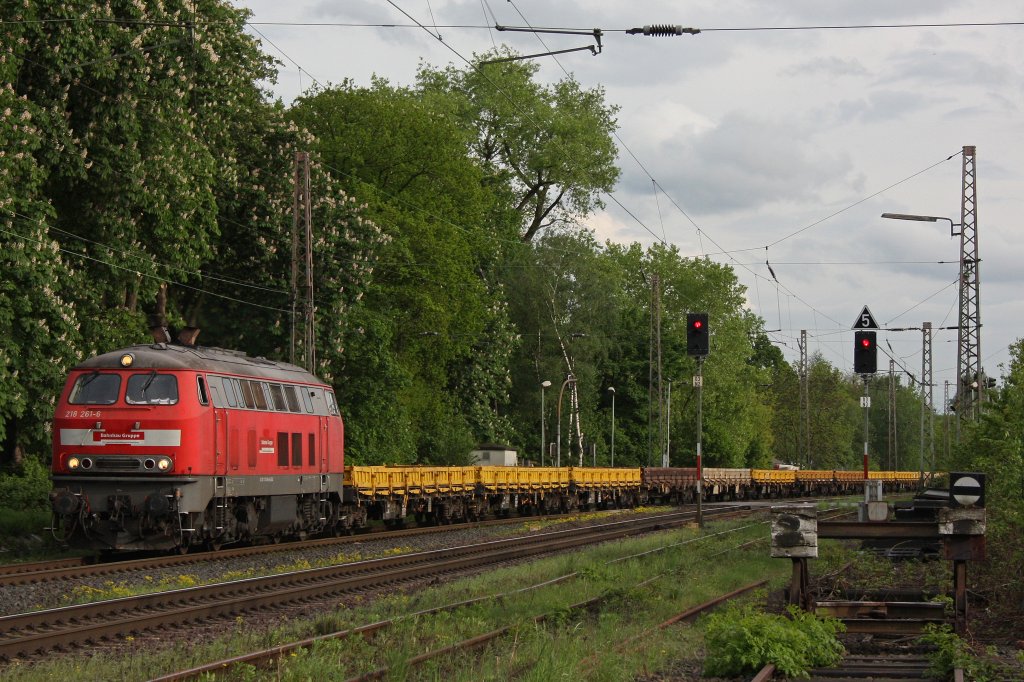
(165, 446)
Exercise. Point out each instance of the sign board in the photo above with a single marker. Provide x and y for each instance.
(966, 489)
(865, 320)
(865, 401)
(698, 381)
(795, 532)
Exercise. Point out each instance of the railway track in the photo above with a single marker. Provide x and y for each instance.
(81, 567)
(30, 634)
(268, 658)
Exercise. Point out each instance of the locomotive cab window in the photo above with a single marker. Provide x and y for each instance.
(152, 389)
(95, 389)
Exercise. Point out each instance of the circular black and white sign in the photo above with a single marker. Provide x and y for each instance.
(966, 490)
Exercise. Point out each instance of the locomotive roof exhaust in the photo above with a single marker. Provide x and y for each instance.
(160, 334)
(186, 337)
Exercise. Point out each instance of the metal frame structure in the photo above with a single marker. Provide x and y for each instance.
(969, 333)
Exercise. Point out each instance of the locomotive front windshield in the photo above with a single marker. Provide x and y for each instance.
(95, 389)
(152, 389)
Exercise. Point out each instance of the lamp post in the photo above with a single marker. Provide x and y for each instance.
(543, 440)
(569, 379)
(968, 357)
(611, 389)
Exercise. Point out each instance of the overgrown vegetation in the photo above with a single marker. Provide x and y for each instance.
(994, 445)
(616, 639)
(743, 639)
(26, 487)
(952, 652)
(23, 501)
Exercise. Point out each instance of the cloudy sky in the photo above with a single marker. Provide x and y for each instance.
(795, 140)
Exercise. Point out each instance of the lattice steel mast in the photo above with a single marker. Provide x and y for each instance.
(969, 332)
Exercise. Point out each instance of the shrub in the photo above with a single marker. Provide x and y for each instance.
(742, 640)
(953, 652)
(27, 488)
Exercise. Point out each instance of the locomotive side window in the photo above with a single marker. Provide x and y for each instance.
(297, 449)
(229, 393)
(316, 396)
(95, 389)
(238, 390)
(293, 401)
(305, 398)
(277, 393)
(331, 404)
(203, 399)
(282, 449)
(152, 389)
(261, 394)
(250, 402)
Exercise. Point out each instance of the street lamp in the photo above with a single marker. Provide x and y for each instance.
(968, 280)
(611, 389)
(543, 444)
(569, 379)
(923, 219)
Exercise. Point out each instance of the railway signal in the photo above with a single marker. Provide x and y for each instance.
(966, 489)
(865, 352)
(697, 335)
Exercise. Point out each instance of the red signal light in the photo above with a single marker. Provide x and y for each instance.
(865, 360)
(697, 324)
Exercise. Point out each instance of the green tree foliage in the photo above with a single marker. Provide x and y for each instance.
(994, 445)
(147, 173)
(565, 300)
(835, 417)
(736, 410)
(40, 326)
(430, 360)
(549, 148)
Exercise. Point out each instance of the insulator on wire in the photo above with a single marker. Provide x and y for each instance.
(663, 30)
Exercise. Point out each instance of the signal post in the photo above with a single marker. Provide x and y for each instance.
(865, 363)
(698, 345)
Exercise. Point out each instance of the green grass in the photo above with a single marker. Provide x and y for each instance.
(581, 644)
(83, 594)
(24, 536)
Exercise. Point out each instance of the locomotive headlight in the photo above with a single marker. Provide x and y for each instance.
(164, 463)
(73, 462)
(127, 359)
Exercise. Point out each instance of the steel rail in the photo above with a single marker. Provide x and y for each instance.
(63, 569)
(266, 656)
(28, 634)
